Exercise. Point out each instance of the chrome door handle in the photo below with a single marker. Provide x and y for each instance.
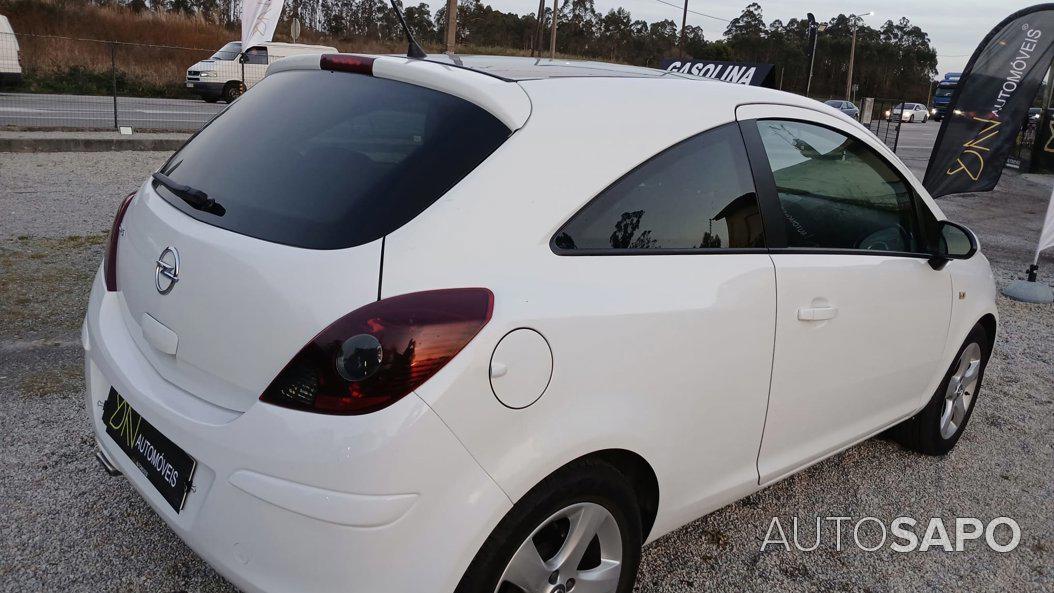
(817, 313)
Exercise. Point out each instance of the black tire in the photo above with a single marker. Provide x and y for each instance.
(922, 432)
(231, 91)
(586, 481)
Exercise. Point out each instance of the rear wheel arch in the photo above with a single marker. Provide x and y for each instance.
(639, 474)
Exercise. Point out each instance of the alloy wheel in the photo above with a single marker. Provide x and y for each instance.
(961, 390)
(578, 549)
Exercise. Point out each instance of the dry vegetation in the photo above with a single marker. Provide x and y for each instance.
(66, 47)
(59, 54)
(44, 285)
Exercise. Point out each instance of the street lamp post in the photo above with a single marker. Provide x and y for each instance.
(684, 24)
(852, 56)
(817, 28)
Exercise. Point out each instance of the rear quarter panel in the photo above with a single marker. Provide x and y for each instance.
(493, 230)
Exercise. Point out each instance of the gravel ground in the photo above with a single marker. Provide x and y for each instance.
(66, 526)
(79, 191)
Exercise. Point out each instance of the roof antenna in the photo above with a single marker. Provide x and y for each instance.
(414, 49)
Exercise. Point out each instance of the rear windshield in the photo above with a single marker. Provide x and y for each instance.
(329, 160)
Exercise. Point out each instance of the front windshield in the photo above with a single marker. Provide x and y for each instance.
(944, 92)
(228, 52)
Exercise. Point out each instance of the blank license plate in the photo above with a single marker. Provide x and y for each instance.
(168, 467)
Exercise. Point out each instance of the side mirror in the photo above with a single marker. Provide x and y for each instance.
(954, 241)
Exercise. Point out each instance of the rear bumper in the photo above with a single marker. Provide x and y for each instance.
(206, 90)
(289, 501)
(10, 78)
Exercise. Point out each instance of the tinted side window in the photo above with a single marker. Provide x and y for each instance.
(256, 55)
(835, 192)
(695, 195)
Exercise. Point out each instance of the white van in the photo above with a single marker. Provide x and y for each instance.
(10, 69)
(220, 77)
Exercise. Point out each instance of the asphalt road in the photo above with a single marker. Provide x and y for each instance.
(92, 112)
(915, 144)
(67, 526)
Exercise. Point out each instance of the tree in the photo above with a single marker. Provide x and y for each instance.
(748, 25)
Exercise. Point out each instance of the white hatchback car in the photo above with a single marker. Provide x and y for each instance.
(406, 325)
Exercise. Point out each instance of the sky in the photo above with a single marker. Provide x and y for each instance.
(955, 27)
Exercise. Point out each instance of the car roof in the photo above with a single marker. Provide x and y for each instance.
(517, 68)
(502, 84)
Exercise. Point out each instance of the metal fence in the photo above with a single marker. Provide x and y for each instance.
(51, 82)
(1020, 157)
(877, 115)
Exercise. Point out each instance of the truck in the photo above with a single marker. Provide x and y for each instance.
(219, 78)
(942, 97)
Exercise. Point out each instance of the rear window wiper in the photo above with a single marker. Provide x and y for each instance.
(194, 197)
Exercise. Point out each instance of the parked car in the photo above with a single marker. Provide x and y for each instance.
(10, 57)
(846, 107)
(220, 77)
(909, 112)
(390, 325)
(1034, 114)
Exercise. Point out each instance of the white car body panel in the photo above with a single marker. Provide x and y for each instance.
(416, 487)
(829, 388)
(226, 265)
(695, 363)
(590, 156)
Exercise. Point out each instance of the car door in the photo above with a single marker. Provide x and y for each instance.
(861, 317)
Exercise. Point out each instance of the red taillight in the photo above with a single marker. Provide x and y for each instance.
(375, 355)
(347, 63)
(109, 266)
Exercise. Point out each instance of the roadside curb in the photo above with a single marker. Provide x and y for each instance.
(88, 144)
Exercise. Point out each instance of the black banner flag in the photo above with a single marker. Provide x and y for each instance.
(991, 102)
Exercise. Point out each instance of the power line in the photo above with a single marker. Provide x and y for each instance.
(681, 7)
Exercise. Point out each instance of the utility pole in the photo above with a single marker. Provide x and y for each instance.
(451, 26)
(852, 56)
(538, 30)
(814, 31)
(552, 37)
(849, 77)
(812, 62)
(684, 24)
